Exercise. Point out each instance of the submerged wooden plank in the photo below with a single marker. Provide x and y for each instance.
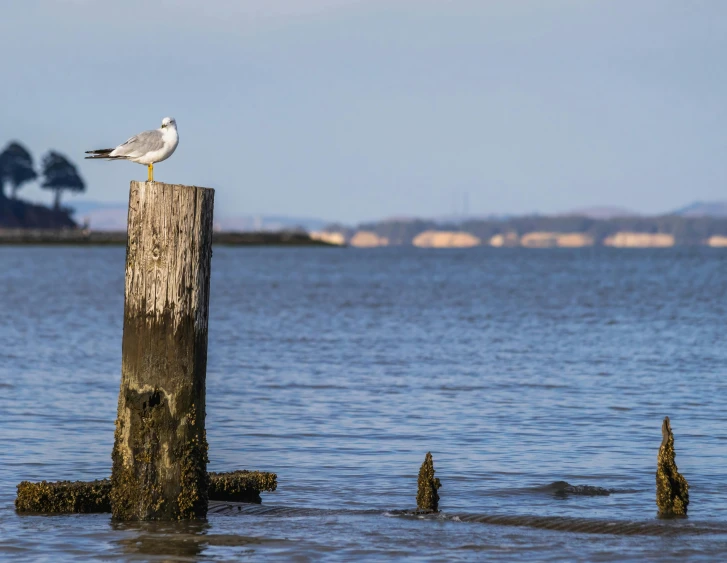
(241, 486)
(64, 497)
(82, 497)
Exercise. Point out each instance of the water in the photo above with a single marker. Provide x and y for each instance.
(340, 368)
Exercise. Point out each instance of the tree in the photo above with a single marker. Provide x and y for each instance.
(59, 174)
(16, 167)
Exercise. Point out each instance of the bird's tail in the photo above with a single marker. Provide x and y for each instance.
(102, 153)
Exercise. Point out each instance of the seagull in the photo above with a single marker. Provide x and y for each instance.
(147, 148)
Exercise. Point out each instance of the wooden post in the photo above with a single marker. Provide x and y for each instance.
(672, 489)
(160, 447)
(427, 495)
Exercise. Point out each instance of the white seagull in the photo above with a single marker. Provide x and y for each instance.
(147, 148)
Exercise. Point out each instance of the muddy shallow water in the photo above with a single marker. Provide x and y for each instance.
(340, 368)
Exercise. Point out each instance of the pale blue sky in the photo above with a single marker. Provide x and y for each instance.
(356, 110)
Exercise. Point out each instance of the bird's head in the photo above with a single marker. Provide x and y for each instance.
(169, 122)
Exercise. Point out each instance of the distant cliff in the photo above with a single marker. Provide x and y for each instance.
(19, 214)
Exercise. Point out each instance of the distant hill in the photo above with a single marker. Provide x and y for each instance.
(703, 209)
(111, 216)
(456, 219)
(601, 212)
(19, 214)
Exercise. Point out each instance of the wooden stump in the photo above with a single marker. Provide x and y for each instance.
(427, 495)
(672, 489)
(160, 448)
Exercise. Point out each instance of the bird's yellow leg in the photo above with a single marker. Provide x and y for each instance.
(151, 172)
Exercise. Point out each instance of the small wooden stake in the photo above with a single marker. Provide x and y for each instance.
(672, 489)
(427, 485)
(160, 449)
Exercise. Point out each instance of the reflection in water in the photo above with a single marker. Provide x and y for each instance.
(173, 541)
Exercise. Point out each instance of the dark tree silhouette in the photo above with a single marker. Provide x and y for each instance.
(59, 174)
(16, 168)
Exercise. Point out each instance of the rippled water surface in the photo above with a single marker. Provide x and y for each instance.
(339, 369)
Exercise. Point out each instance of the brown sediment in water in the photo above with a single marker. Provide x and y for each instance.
(427, 496)
(672, 489)
(83, 497)
(563, 488)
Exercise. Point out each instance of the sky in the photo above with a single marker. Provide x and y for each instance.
(357, 110)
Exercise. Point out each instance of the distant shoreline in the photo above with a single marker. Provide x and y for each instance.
(365, 239)
(79, 237)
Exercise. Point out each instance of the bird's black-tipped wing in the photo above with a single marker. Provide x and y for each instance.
(102, 153)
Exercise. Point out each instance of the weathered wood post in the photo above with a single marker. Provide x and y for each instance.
(160, 447)
(672, 489)
(427, 495)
